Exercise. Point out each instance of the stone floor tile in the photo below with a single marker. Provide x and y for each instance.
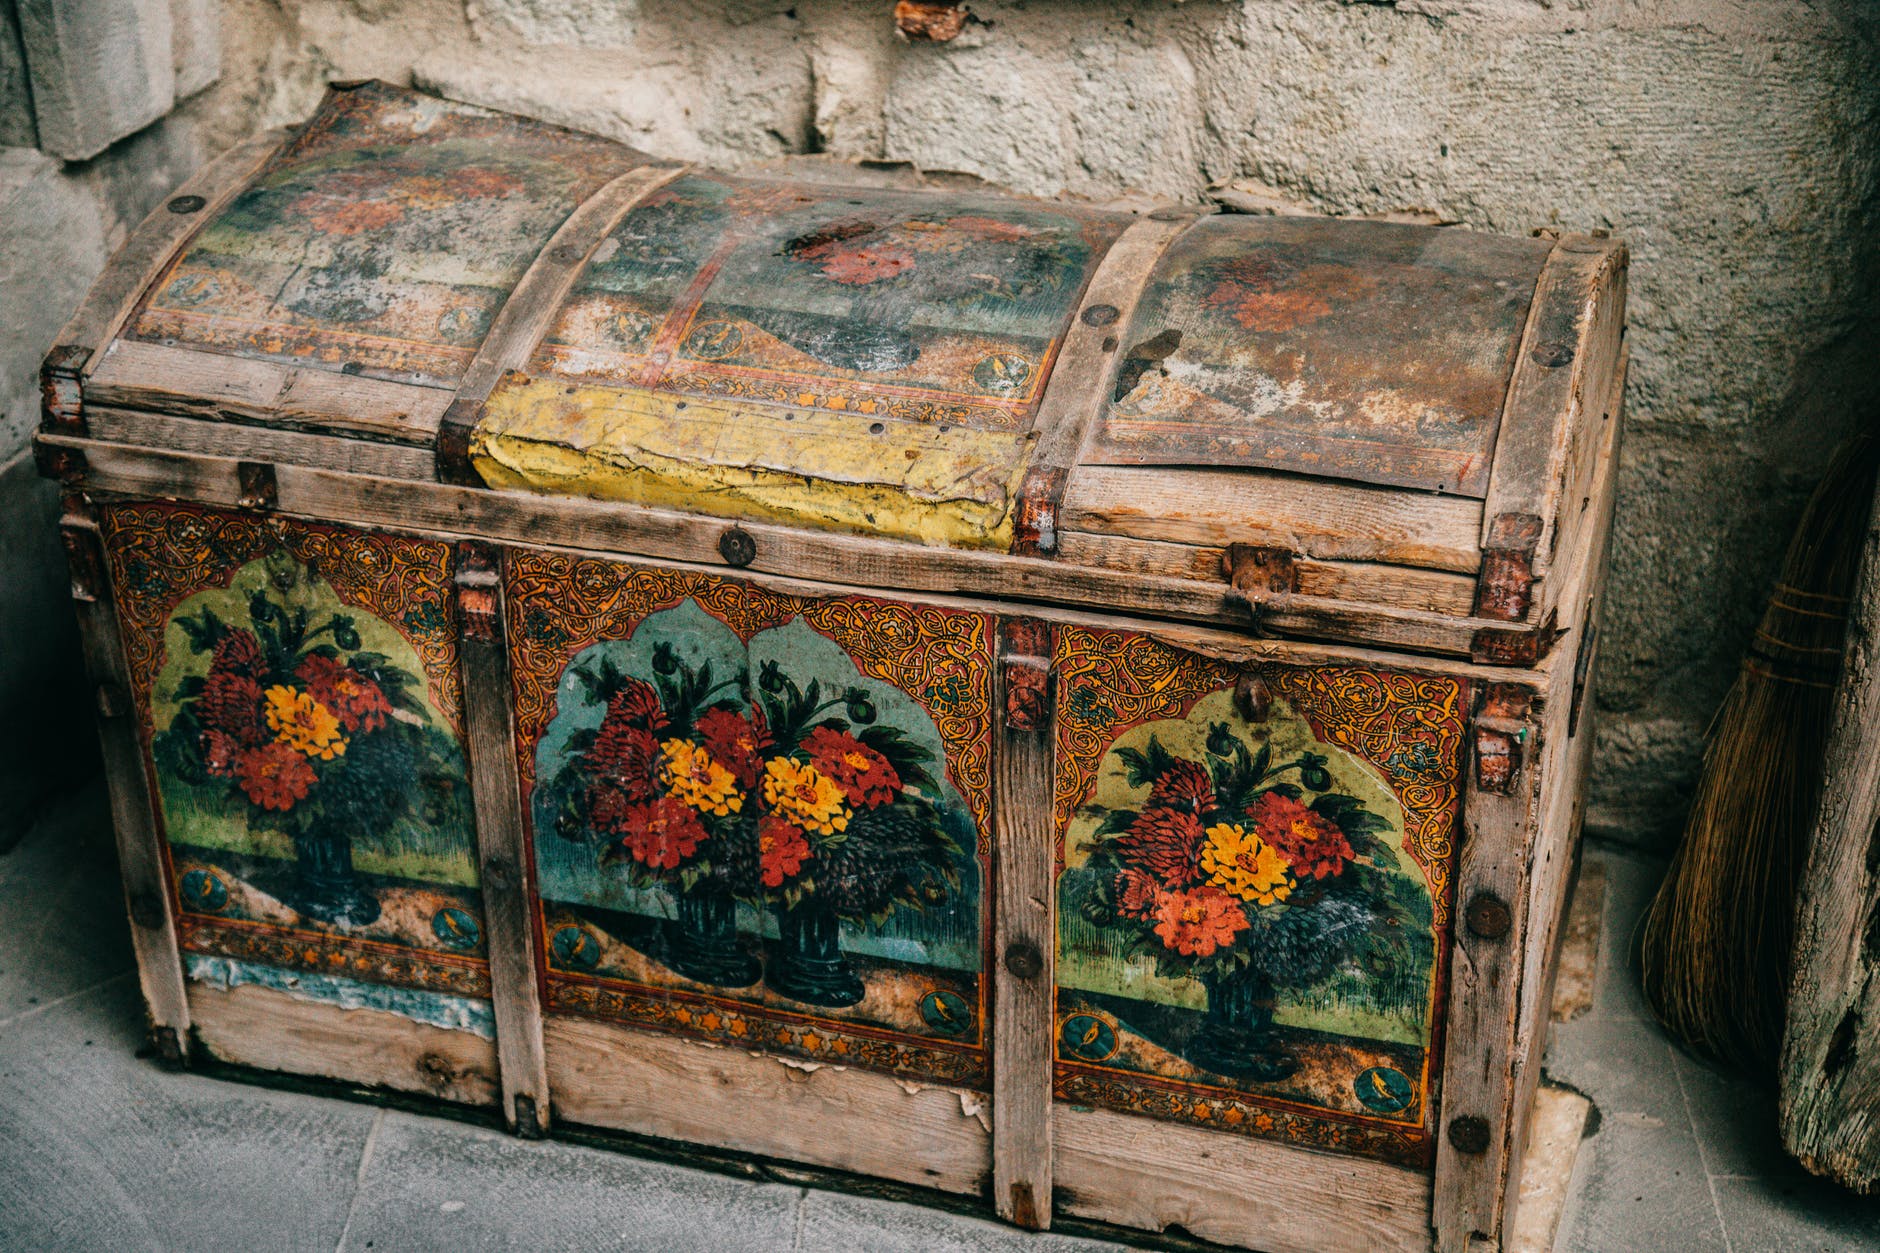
(61, 908)
(1799, 1214)
(839, 1223)
(1735, 1121)
(435, 1184)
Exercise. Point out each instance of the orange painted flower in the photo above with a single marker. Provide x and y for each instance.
(1197, 923)
(781, 850)
(661, 833)
(1184, 785)
(1166, 843)
(1310, 842)
(274, 776)
(301, 722)
(737, 741)
(864, 775)
(805, 796)
(358, 702)
(1136, 892)
(857, 267)
(1239, 862)
(354, 217)
(691, 775)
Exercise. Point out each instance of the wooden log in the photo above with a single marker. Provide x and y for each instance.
(1830, 1068)
(142, 858)
(502, 851)
(1024, 930)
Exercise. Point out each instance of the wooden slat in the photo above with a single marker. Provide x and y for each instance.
(854, 560)
(532, 304)
(258, 443)
(1024, 928)
(141, 856)
(1082, 376)
(274, 1031)
(651, 1084)
(1319, 518)
(502, 849)
(236, 389)
(1498, 830)
(1405, 587)
(1830, 1067)
(1233, 1189)
(156, 241)
(1568, 345)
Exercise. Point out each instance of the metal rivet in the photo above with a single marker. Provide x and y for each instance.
(1552, 354)
(1100, 315)
(1469, 1134)
(147, 910)
(566, 254)
(187, 204)
(1488, 916)
(1023, 959)
(737, 547)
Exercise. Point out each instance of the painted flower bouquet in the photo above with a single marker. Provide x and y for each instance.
(311, 736)
(1241, 873)
(789, 799)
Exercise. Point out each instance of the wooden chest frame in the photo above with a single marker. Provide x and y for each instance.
(1523, 749)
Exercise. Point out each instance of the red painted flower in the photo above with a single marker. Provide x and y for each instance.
(220, 753)
(781, 850)
(638, 705)
(1136, 892)
(1310, 842)
(358, 702)
(661, 833)
(232, 703)
(1184, 785)
(864, 775)
(1197, 923)
(857, 267)
(625, 758)
(1166, 843)
(274, 776)
(238, 652)
(736, 742)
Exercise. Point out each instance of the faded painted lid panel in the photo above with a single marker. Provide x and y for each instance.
(924, 307)
(1371, 352)
(382, 240)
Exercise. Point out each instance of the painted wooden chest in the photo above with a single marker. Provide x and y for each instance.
(1079, 708)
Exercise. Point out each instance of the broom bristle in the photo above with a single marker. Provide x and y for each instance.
(1714, 946)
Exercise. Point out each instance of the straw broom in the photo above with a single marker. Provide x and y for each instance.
(1714, 946)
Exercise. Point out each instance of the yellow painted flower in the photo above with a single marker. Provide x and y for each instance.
(1240, 863)
(301, 722)
(693, 776)
(804, 795)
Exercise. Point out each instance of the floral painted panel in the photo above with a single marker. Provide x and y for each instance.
(930, 307)
(382, 239)
(300, 695)
(757, 818)
(1253, 913)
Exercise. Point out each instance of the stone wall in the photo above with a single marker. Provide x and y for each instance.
(1732, 145)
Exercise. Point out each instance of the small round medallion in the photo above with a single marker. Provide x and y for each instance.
(1002, 374)
(575, 949)
(1383, 1089)
(204, 892)
(712, 341)
(1087, 1038)
(455, 928)
(946, 1012)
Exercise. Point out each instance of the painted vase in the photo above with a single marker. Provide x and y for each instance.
(1236, 1037)
(327, 887)
(703, 945)
(808, 964)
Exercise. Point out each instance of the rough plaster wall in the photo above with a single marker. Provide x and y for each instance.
(1733, 146)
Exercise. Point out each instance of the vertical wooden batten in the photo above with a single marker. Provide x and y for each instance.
(489, 733)
(1024, 928)
(141, 855)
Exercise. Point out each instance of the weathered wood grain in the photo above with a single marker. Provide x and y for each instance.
(650, 1084)
(1024, 928)
(1830, 1068)
(142, 860)
(257, 443)
(235, 389)
(1319, 518)
(1232, 1189)
(503, 859)
(856, 560)
(269, 1030)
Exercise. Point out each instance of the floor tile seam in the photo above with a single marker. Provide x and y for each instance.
(36, 1010)
(366, 1152)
